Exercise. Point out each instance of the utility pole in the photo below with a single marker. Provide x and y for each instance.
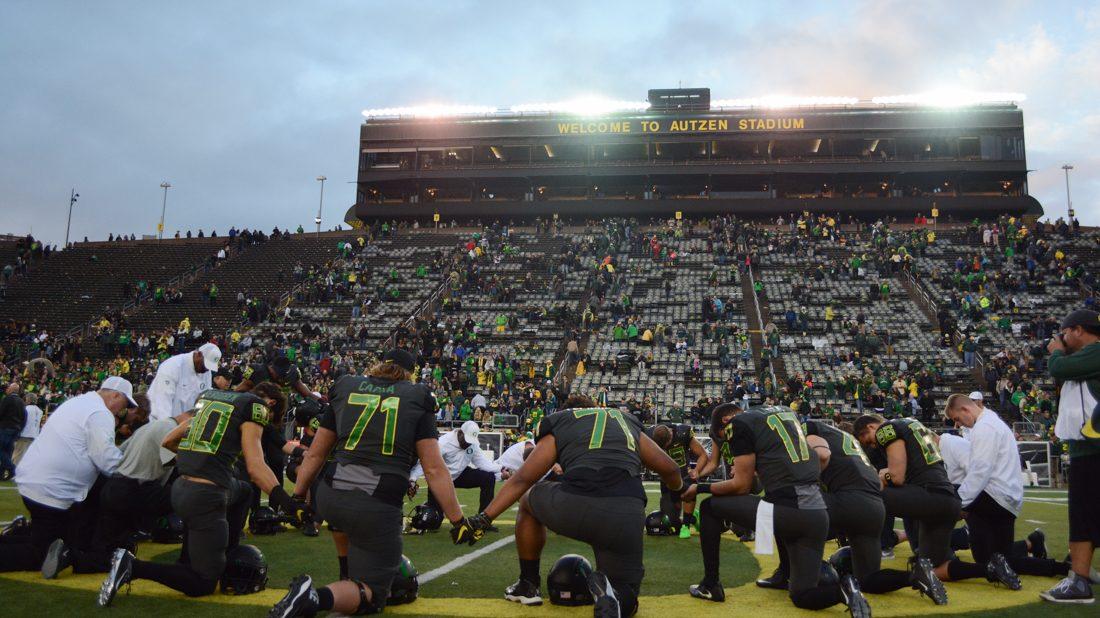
(163, 206)
(320, 206)
(72, 200)
(1069, 204)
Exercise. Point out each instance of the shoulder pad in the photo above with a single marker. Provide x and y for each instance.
(260, 414)
(886, 434)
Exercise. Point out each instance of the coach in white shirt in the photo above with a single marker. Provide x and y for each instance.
(76, 445)
(180, 379)
(469, 465)
(990, 453)
(991, 492)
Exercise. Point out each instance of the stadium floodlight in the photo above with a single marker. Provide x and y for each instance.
(429, 111)
(583, 106)
(782, 101)
(950, 98)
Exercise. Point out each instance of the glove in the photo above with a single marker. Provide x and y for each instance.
(481, 522)
(295, 508)
(465, 532)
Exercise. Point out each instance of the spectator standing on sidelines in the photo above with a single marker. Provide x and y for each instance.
(13, 416)
(180, 379)
(1075, 362)
(31, 428)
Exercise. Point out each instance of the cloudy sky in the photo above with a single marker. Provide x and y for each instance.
(240, 105)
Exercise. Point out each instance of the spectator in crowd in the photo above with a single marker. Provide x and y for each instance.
(13, 416)
(31, 428)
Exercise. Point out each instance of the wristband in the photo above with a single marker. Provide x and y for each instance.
(297, 452)
(702, 488)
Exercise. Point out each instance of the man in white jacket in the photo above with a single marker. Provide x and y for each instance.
(180, 379)
(56, 476)
(469, 465)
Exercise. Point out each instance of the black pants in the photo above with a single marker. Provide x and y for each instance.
(128, 505)
(859, 516)
(800, 534)
(613, 526)
(276, 460)
(374, 536)
(76, 525)
(470, 478)
(934, 512)
(992, 528)
(671, 505)
(213, 518)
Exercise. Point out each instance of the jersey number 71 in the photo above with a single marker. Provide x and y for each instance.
(371, 404)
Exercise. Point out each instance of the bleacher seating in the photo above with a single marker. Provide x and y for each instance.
(74, 286)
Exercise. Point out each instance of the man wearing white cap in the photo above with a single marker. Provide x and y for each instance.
(468, 464)
(57, 474)
(180, 379)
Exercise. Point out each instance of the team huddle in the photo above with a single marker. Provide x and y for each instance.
(788, 485)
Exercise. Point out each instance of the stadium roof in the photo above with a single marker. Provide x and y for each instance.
(598, 106)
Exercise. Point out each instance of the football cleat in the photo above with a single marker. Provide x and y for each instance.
(58, 558)
(708, 592)
(122, 568)
(778, 580)
(310, 529)
(923, 577)
(523, 592)
(998, 571)
(685, 531)
(606, 603)
(853, 597)
(17, 525)
(1038, 540)
(1073, 589)
(300, 599)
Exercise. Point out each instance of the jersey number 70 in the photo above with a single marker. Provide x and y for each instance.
(371, 404)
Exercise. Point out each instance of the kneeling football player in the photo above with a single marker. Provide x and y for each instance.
(678, 440)
(378, 426)
(208, 497)
(768, 441)
(599, 500)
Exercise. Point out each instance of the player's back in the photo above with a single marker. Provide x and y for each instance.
(213, 444)
(597, 449)
(378, 422)
(923, 463)
(849, 468)
(783, 459)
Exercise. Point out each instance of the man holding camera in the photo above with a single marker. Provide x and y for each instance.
(1075, 362)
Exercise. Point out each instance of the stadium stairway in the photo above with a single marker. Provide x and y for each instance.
(79, 284)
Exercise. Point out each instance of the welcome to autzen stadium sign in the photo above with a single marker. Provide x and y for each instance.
(680, 125)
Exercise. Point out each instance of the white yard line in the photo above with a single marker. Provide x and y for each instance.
(465, 559)
(1034, 521)
(1059, 501)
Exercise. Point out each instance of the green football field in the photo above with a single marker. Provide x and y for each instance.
(469, 581)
